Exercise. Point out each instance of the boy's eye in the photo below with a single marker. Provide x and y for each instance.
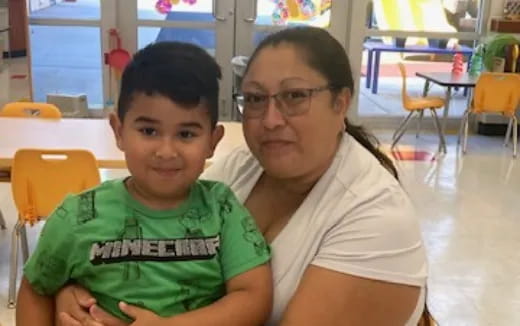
(186, 134)
(148, 131)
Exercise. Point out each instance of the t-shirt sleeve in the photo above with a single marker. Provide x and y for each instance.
(242, 246)
(49, 266)
(379, 239)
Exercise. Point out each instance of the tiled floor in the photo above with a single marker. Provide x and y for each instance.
(469, 212)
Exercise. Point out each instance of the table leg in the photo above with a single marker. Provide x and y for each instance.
(446, 110)
(375, 80)
(466, 89)
(426, 88)
(369, 69)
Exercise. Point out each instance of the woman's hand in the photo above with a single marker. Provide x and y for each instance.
(75, 306)
(141, 317)
(72, 306)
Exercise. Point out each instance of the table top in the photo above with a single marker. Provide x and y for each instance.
(94, 135)
(415, 48)
(447, 79)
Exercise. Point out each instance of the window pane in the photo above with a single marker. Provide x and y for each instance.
(62, 9)
(204, 38)
(381, 81)
(184, 10)
(294, 12)
(424, 15)
(67, 60)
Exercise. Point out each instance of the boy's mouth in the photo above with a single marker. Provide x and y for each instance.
(166, 171)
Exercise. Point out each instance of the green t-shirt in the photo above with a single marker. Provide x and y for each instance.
(169, 261)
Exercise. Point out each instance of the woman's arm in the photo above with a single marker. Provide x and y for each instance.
(326, 297)
(33, 308)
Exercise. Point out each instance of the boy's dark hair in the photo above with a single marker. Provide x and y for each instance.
(182, 72)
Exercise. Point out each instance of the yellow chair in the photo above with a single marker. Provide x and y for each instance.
(25, 110)
(40, 180)
(30, 110)
(494, 93)
(417, 105)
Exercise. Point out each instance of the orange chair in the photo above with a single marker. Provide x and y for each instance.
(417, 105)
(40, 180)
(25, 110)
(30, 109)
(494, 93)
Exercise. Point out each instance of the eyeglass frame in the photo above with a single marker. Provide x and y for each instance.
(282, 106)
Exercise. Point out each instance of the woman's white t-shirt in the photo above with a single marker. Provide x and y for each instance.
(356, 220)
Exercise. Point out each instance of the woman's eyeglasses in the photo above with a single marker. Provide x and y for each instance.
(290, 102)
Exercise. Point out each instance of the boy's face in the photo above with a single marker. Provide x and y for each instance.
(165, 145)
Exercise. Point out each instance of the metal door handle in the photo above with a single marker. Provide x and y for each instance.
(214, 13)
(255, 13)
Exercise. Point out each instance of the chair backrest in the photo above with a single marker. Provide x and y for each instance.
(498, 93)
(404, 93)
(40, 179)
(30, 110)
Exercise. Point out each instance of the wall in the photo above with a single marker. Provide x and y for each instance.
(497, 7)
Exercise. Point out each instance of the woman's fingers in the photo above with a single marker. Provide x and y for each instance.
(83, 297)
(66, 320)
(105, 318)
(74, 304)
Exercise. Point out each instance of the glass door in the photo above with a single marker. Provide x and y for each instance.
(67, 48)
(208, 24)
(428, 32)
(257, 18)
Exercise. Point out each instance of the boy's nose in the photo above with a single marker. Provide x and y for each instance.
(166, 150)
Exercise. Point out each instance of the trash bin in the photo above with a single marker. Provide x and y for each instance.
(238, 64)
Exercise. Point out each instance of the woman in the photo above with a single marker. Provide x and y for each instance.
(346, 245)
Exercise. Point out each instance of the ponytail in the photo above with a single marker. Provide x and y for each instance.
(371, 143)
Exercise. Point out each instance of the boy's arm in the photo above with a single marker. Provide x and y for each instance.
(248, 302)
(32, 308)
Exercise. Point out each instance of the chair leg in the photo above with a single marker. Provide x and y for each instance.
(11, 302)
(419, 122)
(461, 128)
(3, 224)
(508, 132)
(24, 243)
(515, 135)
(399, 128)
(402, 129)
(442, 141)
(466, 127)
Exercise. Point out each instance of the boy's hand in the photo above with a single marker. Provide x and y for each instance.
(141, 317)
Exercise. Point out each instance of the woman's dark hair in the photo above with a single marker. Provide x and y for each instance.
(326, 55)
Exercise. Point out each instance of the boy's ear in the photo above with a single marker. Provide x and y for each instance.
(216, 137)
(117, 127)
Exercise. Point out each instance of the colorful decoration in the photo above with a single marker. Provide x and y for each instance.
(298, 10)
(477, 61)
(165, 6)
(458, 64)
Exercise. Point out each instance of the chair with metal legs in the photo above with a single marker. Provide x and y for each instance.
(417, 106)
(494, 93)
(24, 110)
(40, 180)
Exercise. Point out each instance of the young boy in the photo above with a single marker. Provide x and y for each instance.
(183, 248)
